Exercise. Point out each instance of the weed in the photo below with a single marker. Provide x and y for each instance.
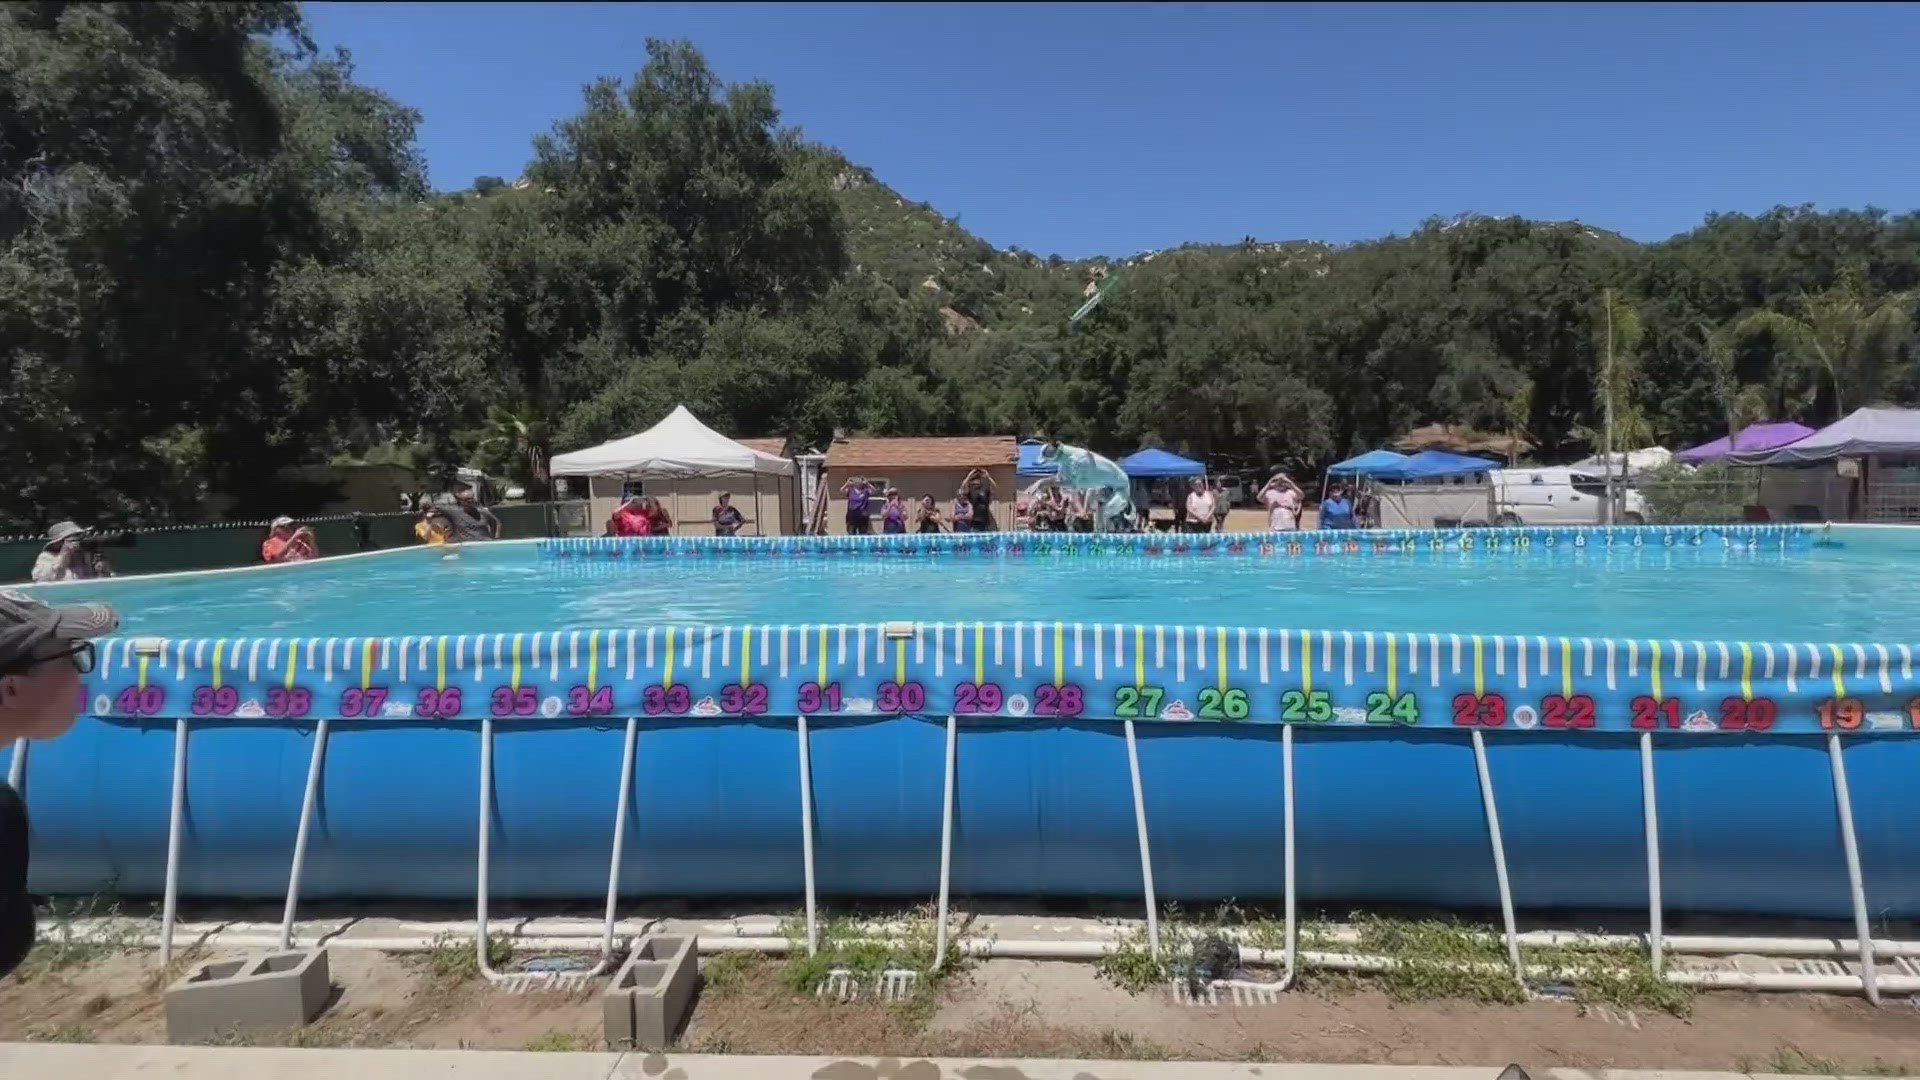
(60, 944)
(725, 972)
(454, 959)
(840, 945)
(714, 1044)
(1618, 975)
(558, 1042)
(1126, 1046)
(1438, 958)
(60, 1033)
(1792, 1061)
(1131, 965)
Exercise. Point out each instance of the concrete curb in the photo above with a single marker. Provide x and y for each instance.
(47, 1061)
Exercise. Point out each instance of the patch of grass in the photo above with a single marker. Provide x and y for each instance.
(454, 958)
(1792, 1061)
(1126, 1046)
(726, 971)
(1131, 965)
(1618, 975)
(1438, 958)
(559, 1042)
(60, 1033)
(60, 945)
(840, 945)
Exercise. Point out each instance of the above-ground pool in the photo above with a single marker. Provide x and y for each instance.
(1103, 690)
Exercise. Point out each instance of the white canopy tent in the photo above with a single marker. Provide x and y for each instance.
(1627, 462)
(679, 446)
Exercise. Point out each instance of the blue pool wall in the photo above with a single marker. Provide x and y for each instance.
(1747, 825)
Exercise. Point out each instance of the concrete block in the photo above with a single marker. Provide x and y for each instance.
(278, 991)
(652, 992)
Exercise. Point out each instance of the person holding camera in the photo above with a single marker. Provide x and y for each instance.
(65, 557)
(288, 543)
(43, 652)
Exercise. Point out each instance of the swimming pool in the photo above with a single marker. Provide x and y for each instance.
(1398, 663)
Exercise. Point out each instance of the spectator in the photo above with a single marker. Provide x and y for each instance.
(859, 495)
(1221, 505)
(893, 514)
(434, 526)
(1200, 504)
(43, 652)
(1080, 509)
(1336, 510)
(63, 558)
(363, 533)
(962, 513)
(629, 518)
(287, 544)
(726, 517)
(927, 519)
(659, 522)
(470, 520)
(977, 489)
(1281, 496)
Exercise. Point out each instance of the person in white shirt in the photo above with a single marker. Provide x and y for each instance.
(63, 559)
(1200, 504)
(1282, 498)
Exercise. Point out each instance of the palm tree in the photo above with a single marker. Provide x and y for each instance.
(1842, 336)
(1617, 391)
(1740, 405)
(523, 440)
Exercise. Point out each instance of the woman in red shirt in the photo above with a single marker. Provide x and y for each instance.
(629, 520)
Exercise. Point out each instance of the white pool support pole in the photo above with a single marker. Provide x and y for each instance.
(483, 870)
(946, 847)
(1843, 801)
(307, 800)
(619, 845)
(1146, 853)
(1499, 857)
(1286, 788)
(176, 823)
(1650, 813)
(17, 768)
(806, 832)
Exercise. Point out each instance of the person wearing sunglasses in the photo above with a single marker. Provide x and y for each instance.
(43, 652)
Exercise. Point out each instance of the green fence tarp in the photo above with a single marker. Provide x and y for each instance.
(212, 547)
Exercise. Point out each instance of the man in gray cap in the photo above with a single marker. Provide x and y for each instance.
(43, 652)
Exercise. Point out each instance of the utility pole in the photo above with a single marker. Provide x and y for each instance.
(1606, 378)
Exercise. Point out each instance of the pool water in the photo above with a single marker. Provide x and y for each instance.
(1859, 589)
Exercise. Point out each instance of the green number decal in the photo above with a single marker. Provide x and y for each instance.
(1131, 702)
(1223, 705)
(1234, 704)
(1210, 704)
(1383, 709)
(1313, 707)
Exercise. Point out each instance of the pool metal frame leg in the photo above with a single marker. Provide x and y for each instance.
(314, 767)
(1499, 857)
(806, 832)
(1843, 802)
(1650, 814)
(17, 767)
(1146, 853)
(176, 823)
(1293, 929)
(946, 846)
(484, 873)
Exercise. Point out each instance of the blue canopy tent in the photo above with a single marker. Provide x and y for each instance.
(1370, 463)
(1428, 464)
(1030, 463)
(1156, 463)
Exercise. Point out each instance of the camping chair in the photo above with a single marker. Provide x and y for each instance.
(1805, 513)
(1754, 512)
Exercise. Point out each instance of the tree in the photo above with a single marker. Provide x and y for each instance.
(1841, 342)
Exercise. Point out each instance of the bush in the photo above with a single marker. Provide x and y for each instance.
(1711, 494)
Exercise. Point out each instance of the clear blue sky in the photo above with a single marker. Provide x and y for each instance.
(1115, 128)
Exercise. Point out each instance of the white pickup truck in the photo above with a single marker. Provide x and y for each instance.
(1559, 496)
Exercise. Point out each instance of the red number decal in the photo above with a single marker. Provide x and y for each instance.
(1650, 713)
(1566, 712)
(1843, 714)
(1486, 710)
(1739, 714)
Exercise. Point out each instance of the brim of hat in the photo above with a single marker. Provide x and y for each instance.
(79, 622)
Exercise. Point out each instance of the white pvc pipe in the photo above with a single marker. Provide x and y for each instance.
(806, 831)
(1499, 856)
(1146, 854)
(1650, 814)
(17, 767)
(176, 820)
(946, 847)
(619, 844)
(300, 838)
(1843, 800)
(1293, 930)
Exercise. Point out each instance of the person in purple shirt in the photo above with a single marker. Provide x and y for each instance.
(859, 495)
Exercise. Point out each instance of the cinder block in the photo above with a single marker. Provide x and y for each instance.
(652, 992)
(274, 992)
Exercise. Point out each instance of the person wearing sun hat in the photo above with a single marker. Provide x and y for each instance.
(62, 559)
(285, 543)
(43, 652)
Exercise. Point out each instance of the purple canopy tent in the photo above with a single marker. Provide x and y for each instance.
(1753, 439)
(1861, 433)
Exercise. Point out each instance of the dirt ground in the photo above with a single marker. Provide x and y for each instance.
(1012, 1008)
